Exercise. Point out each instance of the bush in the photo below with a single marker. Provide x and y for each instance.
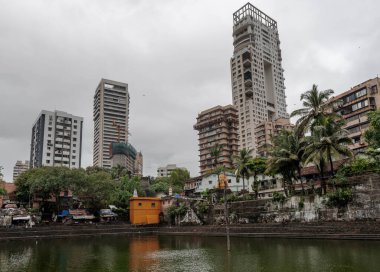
(359, 165)
(177, 210)
(301, 204)
(340, 198)
(277, 197)
(202, 207)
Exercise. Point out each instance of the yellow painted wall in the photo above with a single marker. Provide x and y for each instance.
(144, 210)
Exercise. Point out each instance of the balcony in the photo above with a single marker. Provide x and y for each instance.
(249, 92)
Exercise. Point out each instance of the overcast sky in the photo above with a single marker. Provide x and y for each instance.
(174, 54)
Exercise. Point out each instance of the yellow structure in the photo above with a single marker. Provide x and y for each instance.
(222, 181)
(144, 210)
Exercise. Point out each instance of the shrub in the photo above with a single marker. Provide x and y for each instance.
(203, 207)
(301, 204)
(277, 197)
(340, 198)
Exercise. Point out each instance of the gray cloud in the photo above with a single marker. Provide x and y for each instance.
(175, 57)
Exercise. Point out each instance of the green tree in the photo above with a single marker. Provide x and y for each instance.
(96, 190)
(125, 189)
(328, 140)
(372, 135)
(286, 157)
(316, 104)
(242, 163)
(257, 167)
(215, 153)
(119, 171)
(178, 177)
(2, 190)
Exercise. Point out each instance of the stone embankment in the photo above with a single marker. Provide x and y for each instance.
(326, 230)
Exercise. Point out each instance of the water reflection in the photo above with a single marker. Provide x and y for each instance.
(185, 253)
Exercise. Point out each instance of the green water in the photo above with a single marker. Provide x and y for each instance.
(186, 253)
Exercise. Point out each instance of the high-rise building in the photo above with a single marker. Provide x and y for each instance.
(266, 130)
(125, 155)
(20, 167)
(258, 89)
(111, 114)
(56, 140)
(217, 127)
(354, 105)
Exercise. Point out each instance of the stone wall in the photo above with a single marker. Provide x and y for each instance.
(365, 206)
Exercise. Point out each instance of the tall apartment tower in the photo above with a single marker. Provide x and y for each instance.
(258, 89)
(56, 140)
(217, 126)
(111, 114)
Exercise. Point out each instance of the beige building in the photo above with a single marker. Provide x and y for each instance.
(166, 171)
(266, 130)
(111, 114)
(217, 126)
(20, 167)
(354, 106)
(139, 164)
(258, 89)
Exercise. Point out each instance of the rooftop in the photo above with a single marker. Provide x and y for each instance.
(249, 10)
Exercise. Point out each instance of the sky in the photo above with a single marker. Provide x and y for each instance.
(174, 55)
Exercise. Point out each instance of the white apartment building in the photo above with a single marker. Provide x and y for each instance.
(111, 114)
(20, 167)
(56, 140)
(167, 170)
(258, 89)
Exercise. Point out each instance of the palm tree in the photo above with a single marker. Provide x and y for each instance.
(286, 156)
(315, 105)
(242, 165)
(215, 153)
(257, 167)
(328, 140)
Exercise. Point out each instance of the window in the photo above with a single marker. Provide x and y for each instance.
(74, 145)
(210, 182)
(75, 121)
(49, 128)
(229, 181)
(75, 133)
(49, 135)
(73, 163)
(47, 161)
(48, 154)
(140, 204)
(74, 151)
(75, 126)
(74, 139)
(153, 205)
(73, 157)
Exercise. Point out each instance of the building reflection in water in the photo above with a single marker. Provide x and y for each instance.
(139, 249)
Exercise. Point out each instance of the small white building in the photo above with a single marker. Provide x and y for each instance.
(267, 185)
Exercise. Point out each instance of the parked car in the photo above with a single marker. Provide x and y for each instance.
(107, 215)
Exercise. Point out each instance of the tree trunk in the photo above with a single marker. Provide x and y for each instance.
(256, 186)
(283, 186)
(300, 178)
(332, 171)
(243, 184)
(323, 183)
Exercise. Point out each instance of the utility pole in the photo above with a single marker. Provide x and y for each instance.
(225, 184)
